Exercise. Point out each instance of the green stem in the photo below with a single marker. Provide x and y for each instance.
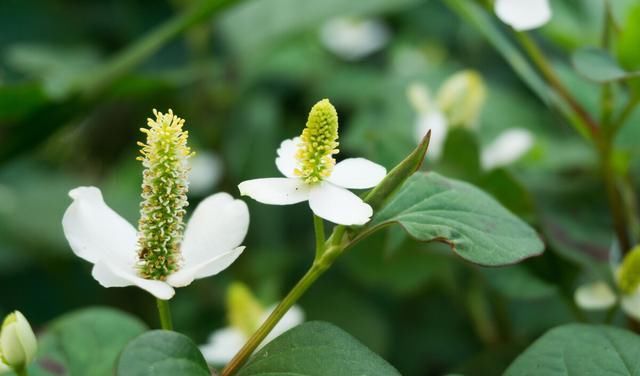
(624, 115)
(165, 314)
(149, 44)
(615, 199)
(318, 226)
(316, 270)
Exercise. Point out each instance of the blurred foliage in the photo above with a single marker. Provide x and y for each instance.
(244, 80)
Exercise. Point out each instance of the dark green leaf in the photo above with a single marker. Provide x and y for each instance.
(318, 349)
(578, 349)
(431, 207)
(597, 65)
(162, 353)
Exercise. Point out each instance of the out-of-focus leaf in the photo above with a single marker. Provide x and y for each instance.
(509, 191)
(461, 155)
(433, 208)
(162, 353)
(517, 282)
(597, 65)
(18, 101)
(579, 349)
(85, 342)
(319, 349)
(629, 39)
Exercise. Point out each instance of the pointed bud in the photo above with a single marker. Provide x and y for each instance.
(461, 98)
(629, 272)
(18, 344)
(245, 312)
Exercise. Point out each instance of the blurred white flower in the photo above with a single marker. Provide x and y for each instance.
(312, 174)
(595, 295)
(18, 344)
(523, 14)
(206, 171)
(96, 233)
(506, 148)
(246, 315)
(4, 368)
(353, 39)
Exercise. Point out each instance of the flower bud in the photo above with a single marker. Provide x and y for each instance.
(461, 98)
(628, 274)
(17, 342)
(244, 310)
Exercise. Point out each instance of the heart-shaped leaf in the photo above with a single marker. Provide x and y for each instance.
(431, 207)
(318, 349)
(598, 65)
(579, 349)
(162, 353)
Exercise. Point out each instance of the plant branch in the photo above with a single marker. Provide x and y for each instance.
(318, 226)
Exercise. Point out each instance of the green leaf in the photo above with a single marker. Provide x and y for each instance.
(162, 353)
(431, 207)
(85, 342)
(597, 65)
(319, 349)
(579, 349)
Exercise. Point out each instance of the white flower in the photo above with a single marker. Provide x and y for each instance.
(18, 344)
(599, 296)
(523, 14)
(312, 174)
(223, 344)
(328, 199)
(506, 148)
(353, 39)
(206, 171)
(429, 118)
(99, 235)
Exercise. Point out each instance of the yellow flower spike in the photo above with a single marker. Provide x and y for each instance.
(319, 142)
(629, 272)
(164, 193)
(245, 312)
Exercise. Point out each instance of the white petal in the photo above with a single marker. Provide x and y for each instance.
(352, 39)
(507, 148)
(523, 14)
(437, 123)
(291, 319)
(338, 205)
(205, 268)
(631, 305)
(275, 191)
(218, 225)
(113, 275)
(96, 232)
(223, 344)
(595, 296)
(206, 171)
(286, 160)
(357, 173)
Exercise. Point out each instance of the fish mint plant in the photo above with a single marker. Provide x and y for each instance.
(163, 253)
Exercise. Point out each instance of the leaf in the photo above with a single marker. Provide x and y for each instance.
(431, 207)
(319, 349)
(85, 342)
(517, 282)
(597, 65)
(162, 353)
(579, 349)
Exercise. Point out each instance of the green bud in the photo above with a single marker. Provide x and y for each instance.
(244, 310)
(629, 272)
(18, 344)
(461, 98)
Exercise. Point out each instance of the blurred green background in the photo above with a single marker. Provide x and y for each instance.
(244, 80)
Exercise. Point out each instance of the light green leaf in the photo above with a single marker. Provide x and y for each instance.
(318, 349)
(162, 353)
(597, 65)
(85, 342)
(579, 349)
(431, 207)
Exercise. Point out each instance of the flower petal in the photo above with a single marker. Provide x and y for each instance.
(202, 269)
(338, 205)
(507, 148)
(286, 160)
(631, 305)
(111, 275)
(437, 123)
(353, 39)
(595, 296)
(223, 344)
(357, 173)
(96, 232)
(275, 191)
(291, 319)
(218, 225)
(523, 14)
